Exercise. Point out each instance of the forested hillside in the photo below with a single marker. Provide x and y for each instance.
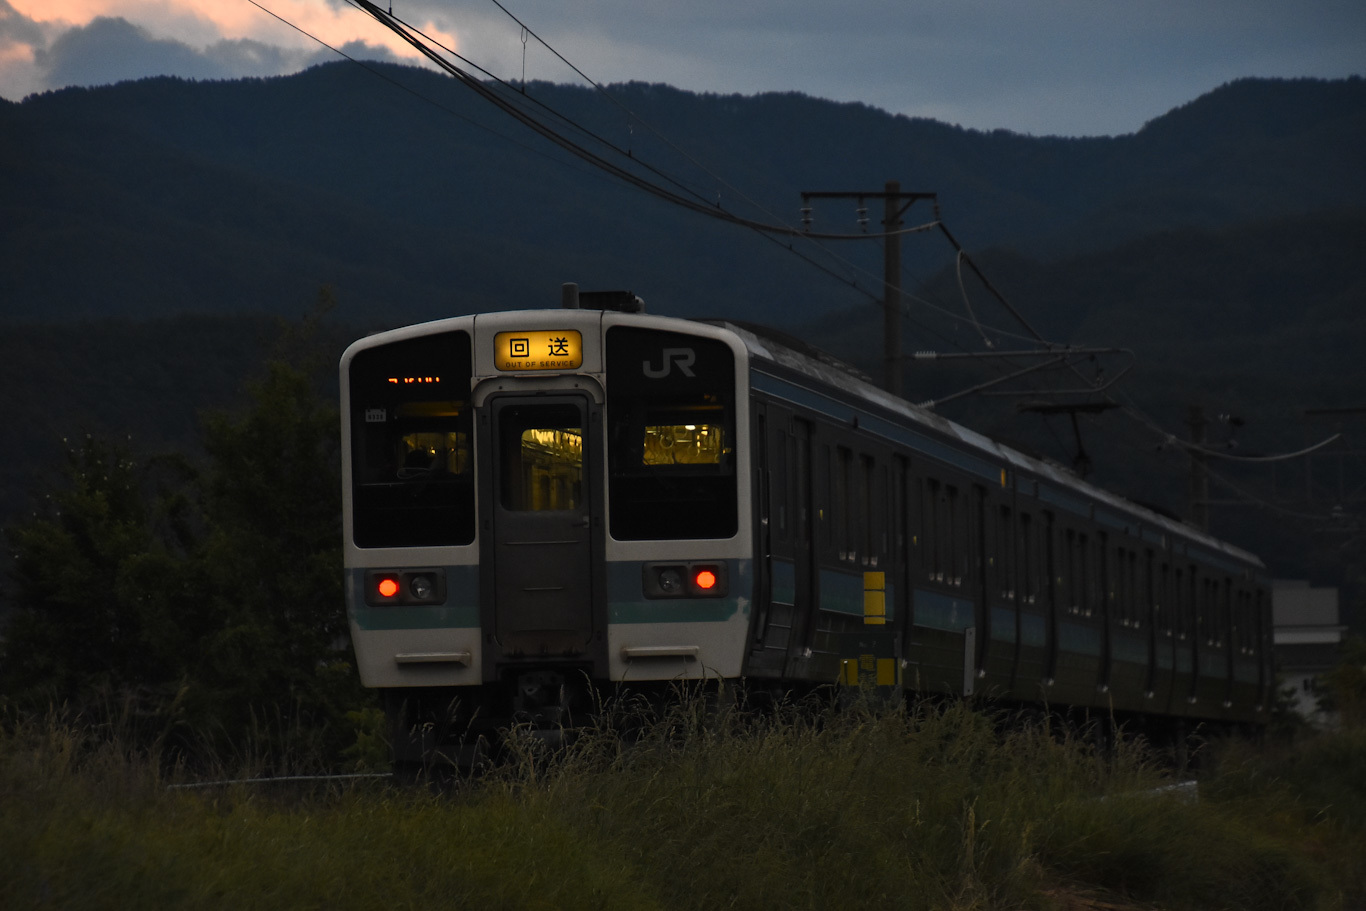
(147, 228)
(166, 196)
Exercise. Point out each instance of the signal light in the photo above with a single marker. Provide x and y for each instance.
(387, 587)
(705, 579)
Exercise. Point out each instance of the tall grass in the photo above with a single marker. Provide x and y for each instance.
(698, 805)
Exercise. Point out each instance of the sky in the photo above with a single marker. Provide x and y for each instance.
(1042, 67)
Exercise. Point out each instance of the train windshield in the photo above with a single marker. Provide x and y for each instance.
(411, 429)
(671, 433)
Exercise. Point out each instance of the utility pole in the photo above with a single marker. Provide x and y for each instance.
(895, 204)
(891, 290)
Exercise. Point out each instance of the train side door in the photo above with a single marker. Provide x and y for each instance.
(542, 518)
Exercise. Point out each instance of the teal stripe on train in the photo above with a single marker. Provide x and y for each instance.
(626, 601)
(944, 612)
(461, 610)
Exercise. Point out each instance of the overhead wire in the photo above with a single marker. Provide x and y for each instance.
(374, 71)
(414, 37)
(402, 28)
(445, 109)
(768, 231)
(697, 203)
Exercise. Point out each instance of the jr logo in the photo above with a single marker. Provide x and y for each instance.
(683, 358)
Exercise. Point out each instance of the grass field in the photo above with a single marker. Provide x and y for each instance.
(935, 807)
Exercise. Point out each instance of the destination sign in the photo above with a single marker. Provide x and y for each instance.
(558, 349)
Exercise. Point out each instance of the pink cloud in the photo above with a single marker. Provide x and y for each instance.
(201, 22)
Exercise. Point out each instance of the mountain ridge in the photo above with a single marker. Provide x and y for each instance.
(158, 220)
(398, 199)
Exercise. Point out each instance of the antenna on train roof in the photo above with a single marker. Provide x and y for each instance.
(621, 301)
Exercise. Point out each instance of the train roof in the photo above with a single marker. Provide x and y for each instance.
(795, 356)
(799, 357)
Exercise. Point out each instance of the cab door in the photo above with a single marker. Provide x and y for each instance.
(541, 523)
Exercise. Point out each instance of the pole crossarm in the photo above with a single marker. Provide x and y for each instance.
(893, 198)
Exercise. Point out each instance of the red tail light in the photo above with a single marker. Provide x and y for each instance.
(408, 586)
(685, 580)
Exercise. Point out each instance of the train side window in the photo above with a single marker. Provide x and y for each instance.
(887, 493)
(1103, 577)
(671, 436)
(1119, 585)
(843, 505)
(801, 481)
(1163, 604)
(1146, 599)
(1082, 564)
(900, 505)
(1180, 604)
(1052, 572)
(779, 483)
(867, 552)
(956, 533)
(933, 539)
(1005, 554)
(1225, 612)
(1028, 551)
(1128, 593)
(821, 487)
(1066, 556)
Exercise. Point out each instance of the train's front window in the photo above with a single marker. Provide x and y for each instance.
(671, 433)
(426, 455)
(411, 428)
(684, 444)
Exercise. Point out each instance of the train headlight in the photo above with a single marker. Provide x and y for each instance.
(670, 582)
(422, 588)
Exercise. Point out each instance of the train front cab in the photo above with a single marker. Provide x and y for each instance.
(542, 503)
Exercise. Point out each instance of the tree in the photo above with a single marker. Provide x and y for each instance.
(214, 595)
(1343, 689)
(79, 621)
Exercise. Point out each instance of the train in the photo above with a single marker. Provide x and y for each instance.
(545, 505)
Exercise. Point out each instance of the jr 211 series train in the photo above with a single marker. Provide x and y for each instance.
(541, 505)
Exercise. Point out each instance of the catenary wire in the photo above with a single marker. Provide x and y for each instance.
(407, 32)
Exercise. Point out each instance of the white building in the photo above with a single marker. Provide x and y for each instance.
(1307, 635)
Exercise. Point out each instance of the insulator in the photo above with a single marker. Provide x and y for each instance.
(806, 216)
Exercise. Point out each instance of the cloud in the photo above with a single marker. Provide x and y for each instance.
(110, 50)
(1072, 67)
(16, 28)
(48, 45)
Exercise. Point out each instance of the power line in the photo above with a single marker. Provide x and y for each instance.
(767, 231)
(771, 231)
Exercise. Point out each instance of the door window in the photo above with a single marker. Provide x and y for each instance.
(542, 452)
